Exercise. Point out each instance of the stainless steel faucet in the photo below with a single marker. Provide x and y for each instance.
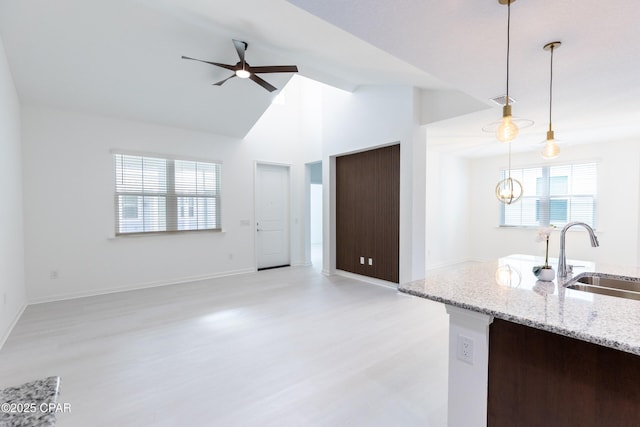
(563, 271)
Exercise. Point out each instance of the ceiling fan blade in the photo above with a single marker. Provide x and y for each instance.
(241, 47)
(262, 83)
(222, 81)
(217, 64)
(275, 69)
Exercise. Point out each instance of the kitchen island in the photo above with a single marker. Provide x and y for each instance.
(500, 306)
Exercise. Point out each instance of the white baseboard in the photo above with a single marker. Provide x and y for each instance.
(4, 338)
(301, 264)
(74, 295)
(367, 279)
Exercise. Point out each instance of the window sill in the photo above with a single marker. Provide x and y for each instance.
(535, 228)
(165, 234)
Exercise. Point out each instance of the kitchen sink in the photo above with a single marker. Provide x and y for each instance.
(607, 284)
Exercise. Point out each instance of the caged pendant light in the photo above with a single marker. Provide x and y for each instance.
(551, 149)
(509, 190)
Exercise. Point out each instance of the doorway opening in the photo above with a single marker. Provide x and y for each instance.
(315, 214)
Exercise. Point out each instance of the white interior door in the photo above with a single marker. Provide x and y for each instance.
(272, 216)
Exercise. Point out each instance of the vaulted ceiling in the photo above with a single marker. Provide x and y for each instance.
(122, 58)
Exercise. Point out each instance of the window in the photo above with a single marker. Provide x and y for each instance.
(129, 207)
(156, 194)
(553, 195)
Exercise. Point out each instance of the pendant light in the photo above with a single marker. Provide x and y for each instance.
(507, 129)
(509, 190)
(551, 149)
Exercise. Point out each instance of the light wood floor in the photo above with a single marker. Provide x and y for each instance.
(285, 347)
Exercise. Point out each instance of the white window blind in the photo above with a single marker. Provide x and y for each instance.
(553, 195)
(159, 194)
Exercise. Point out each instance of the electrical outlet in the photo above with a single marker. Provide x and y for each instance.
(53, 274)
(465, 349)
(230, 255)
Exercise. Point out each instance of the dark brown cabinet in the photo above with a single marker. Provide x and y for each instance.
(538, 378)
(368, 213)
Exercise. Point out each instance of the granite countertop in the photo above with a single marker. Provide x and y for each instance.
(30, 404)
(507, 289)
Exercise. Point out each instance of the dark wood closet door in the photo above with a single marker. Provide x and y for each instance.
(368, 212)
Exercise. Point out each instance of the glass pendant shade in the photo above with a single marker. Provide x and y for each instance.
(551, 149)
(509, 191)
(507, 130)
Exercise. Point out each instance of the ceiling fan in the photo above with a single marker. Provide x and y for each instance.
(243, 70)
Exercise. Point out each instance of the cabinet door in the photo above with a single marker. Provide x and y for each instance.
(539, 378)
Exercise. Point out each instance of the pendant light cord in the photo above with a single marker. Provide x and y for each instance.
(509, 160)
(508, 45)
(508, 49)
(551, 87)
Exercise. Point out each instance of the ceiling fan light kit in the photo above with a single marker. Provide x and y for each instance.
(243, 74)
(245, 71)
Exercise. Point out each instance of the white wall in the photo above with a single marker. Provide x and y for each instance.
(12, 283)
(617, 209)
(367, 118)
(69, 200)
(448, 216)
(69, 207)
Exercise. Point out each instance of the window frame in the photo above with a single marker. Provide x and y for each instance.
(546, 197)
(171, 196)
